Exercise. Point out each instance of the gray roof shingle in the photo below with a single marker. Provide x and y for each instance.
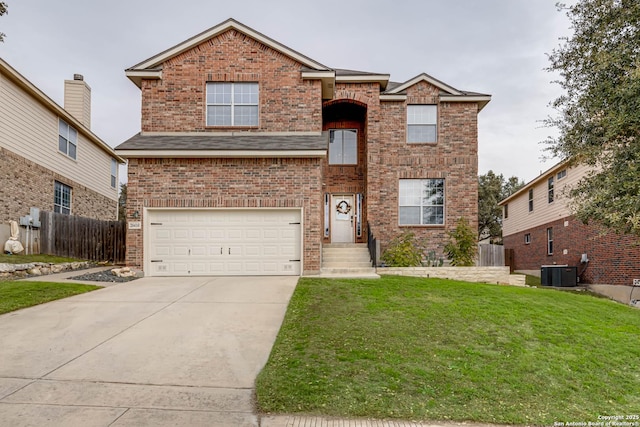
(246, 141)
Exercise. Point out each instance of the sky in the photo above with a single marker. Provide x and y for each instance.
(497, 47)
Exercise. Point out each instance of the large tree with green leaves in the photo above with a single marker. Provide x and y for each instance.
(598, 116)
(3, 10)
(492, 189)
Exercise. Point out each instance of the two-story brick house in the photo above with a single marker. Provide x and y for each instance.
(539, 226)
(252, 156)
(49, 157)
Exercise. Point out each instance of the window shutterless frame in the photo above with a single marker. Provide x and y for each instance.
(232, 104)
(343, 147)
(421, 201)
(422, 124)
(67, 139)
(62, 198)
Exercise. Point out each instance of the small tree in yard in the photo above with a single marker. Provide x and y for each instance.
(403, 251)
(462, 246)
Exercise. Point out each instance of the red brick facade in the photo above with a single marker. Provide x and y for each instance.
(290, 103)
(230, 183)
(177, 102)
(613, 259)
(454, 157)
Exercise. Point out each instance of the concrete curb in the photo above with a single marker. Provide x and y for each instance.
(310, 421)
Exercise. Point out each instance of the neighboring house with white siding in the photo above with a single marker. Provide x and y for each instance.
(539, 226)
(49, 157)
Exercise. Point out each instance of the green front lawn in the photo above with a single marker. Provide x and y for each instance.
(24, 259)
(17, 294)
(431, 349)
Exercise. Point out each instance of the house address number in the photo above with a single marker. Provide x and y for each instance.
(135, 225)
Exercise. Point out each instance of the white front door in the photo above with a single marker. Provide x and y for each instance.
(342, 213)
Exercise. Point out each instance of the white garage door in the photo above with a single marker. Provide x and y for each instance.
(223, 242)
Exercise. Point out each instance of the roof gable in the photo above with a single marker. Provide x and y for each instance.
(151, 67)
(424, 77)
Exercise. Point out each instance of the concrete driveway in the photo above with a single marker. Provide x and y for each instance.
(155, 351)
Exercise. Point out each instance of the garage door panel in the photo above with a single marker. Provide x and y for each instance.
(224, 242)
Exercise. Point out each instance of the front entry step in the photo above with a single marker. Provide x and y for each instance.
(347, 260)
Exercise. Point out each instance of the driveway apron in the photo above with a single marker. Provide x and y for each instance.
(155, 351)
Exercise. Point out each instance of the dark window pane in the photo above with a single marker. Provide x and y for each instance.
(62, 144)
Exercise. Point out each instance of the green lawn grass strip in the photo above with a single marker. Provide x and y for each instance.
(25, 259)
(18, 294)
(430, 349)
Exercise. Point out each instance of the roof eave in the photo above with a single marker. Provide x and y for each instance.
(387, 97)
(481, 100)
(136, 76)
(327, 78)
(382, 79)
(129, 154)
(544, 175)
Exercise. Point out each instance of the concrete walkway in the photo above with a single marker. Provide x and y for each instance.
(155, 351)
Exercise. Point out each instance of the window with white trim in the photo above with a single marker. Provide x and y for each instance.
(527, 238)
(531, 200)
(62, 198)
(67, 139)
(421, 202)
(114, 172)
(562, 173)
(550, 187)
(422, 123)
(232, 104)
(343, 147)
(550, 241)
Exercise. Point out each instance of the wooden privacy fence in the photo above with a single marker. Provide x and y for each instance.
(490, 255)
(84, 238)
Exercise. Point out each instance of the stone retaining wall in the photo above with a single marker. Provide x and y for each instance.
(18, 271)
(498, 275)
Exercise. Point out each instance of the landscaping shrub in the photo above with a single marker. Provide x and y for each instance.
(403, 251)
(462, 246)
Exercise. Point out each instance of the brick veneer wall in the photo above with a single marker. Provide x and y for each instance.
(25, 184)
(231, 183)
(614, 259)
(454, 157)
(177, 103)
(347, 179)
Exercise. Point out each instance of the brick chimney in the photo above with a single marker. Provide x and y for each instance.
(77, 99)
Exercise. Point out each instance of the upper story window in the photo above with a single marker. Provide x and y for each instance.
(562, 174)
(343, 147)
(232, 104)
(62, 198)
(67, 139)
(550, 186)
(114, 172)
(506, 211)
(422, 123)
(531, 200)
(421, 202)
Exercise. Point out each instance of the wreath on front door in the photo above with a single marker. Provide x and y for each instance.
(343, 207)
